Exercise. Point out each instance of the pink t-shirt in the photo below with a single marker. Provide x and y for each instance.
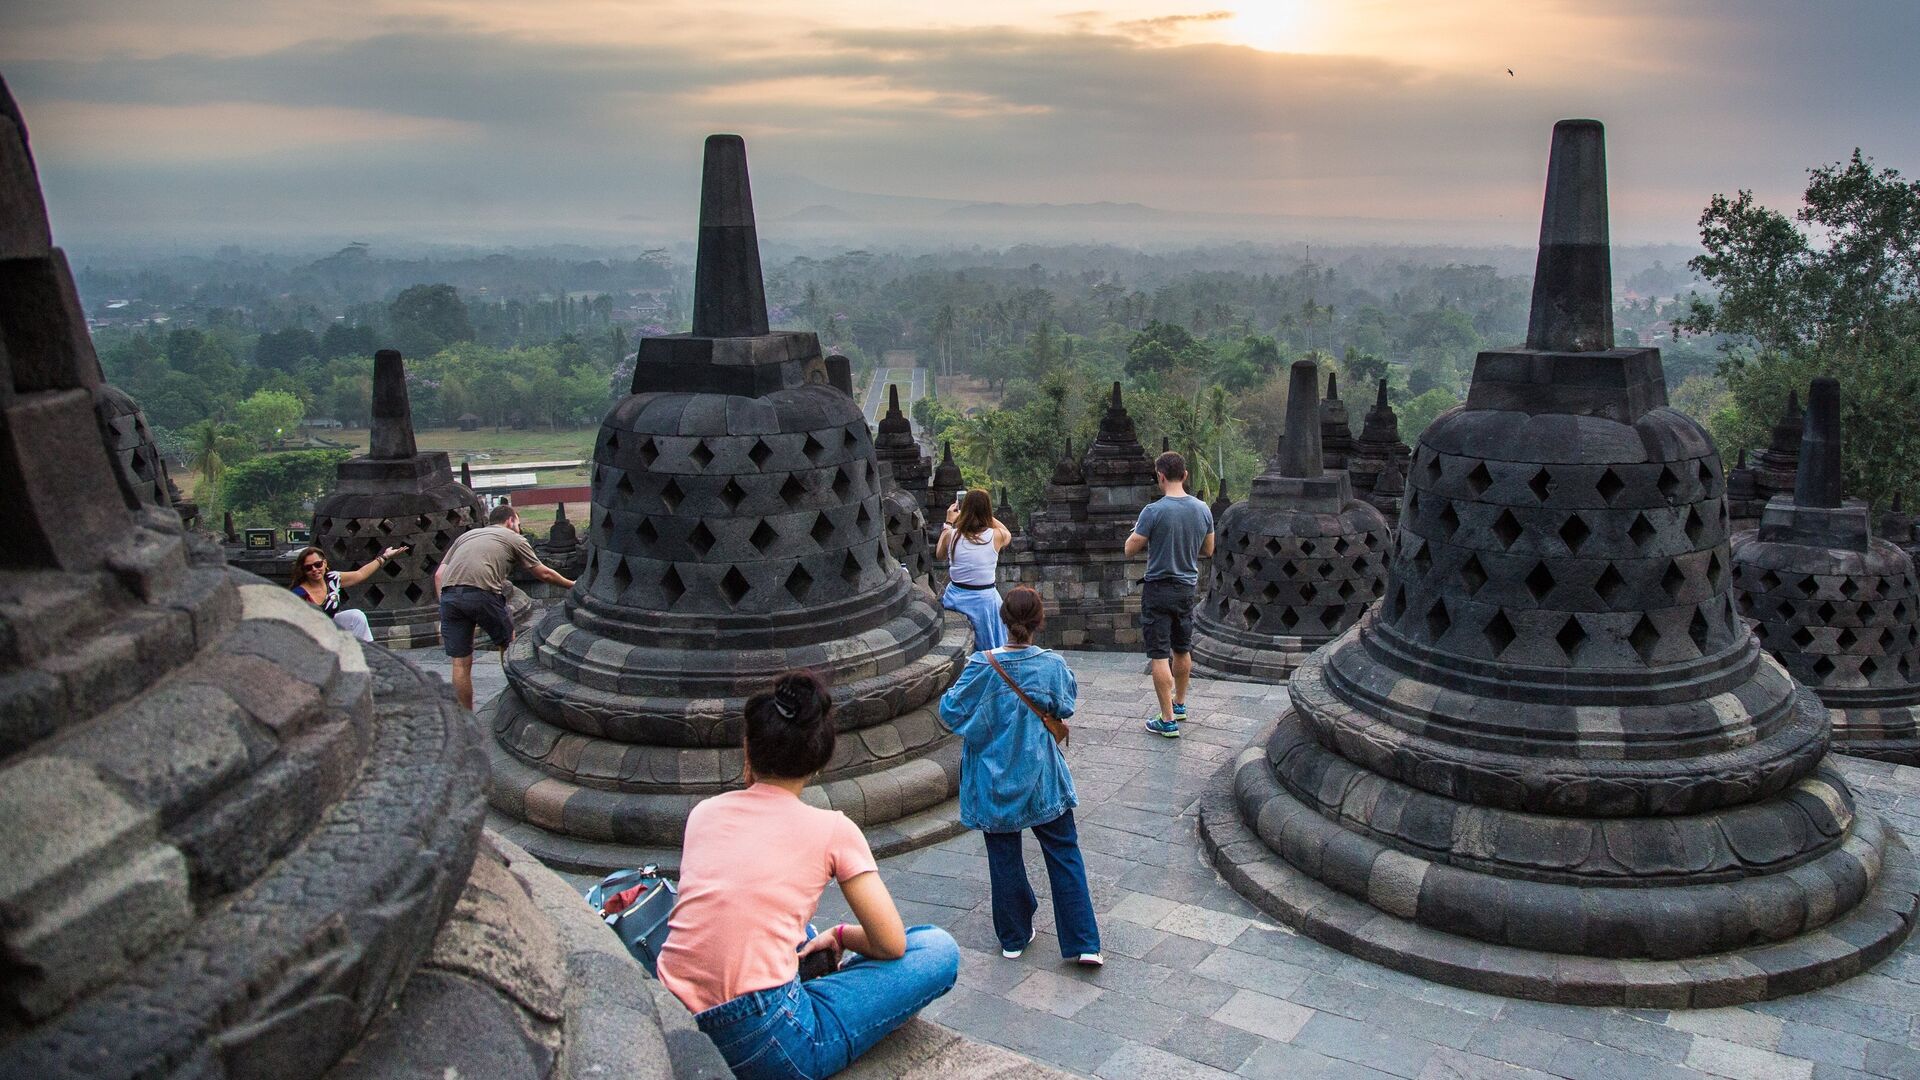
(752, 869)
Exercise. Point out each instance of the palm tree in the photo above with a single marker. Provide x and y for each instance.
(1217, 412)
(203, 448)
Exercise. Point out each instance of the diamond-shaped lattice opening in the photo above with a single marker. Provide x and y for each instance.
(733, 494)
(1706, 476)
(1472, 574)
(1610, 486)
(1289, 618)
(850, 568)
(648, 453)
(1239, 586)
(1273, 546)
(1608, 584)
(764, 536)
(423, 522)
(1575, 533)
(414, 592)
(1570, 637)
(813, 448)
(1825, 611)
(623, 575)
(1846, 638)
(1803, 637)
(799, 583)
(1340, 545)
(645, 531)
(1270, 593)
(1346, 590)
(1641, 532)
(701, 455)
(1849, 588)
(1899, 611)
(1379, 588)
(734, 585)
(1506, 529)
(793, 489)
(1308, 592)
(1539, 581)
(1746, 607)
(1886, 640)
(613, 440)
(670, 495)
(1325, 569)
(1499, 632)
(760, 453)
(1449, 522)
(1289, 568)
(1769, 581)
(1413, 502)
(1541, 485)
(1398, 605)
(1422, 559)
(1695, 527)
(1697, 628)
(624, 485)
(1438, 621)
(1822, 667)
(1868, 667)
(1254, 564)
(1674, 579)
(822, 530)
(1250, 616)
(671, 586)
(1644, 637)
(701, 539)
(1906, 669)
(1714, 569)
(1668, 483)
(375, 595)
(1433, 469)
(1306, 547)
(862, 519)
(1479, 480)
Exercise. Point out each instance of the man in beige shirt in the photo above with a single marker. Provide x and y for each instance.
(472, 586)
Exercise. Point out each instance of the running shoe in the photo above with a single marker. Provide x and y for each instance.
(1090, 959)
(1164, 728)
(1014, 954)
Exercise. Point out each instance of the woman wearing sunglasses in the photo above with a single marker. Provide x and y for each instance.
(319, 586)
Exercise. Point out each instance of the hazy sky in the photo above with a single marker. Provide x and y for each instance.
(223, 119)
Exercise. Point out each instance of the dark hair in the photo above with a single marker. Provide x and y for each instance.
(1171, 465)
(502, 514)
(790, 727)
(976, 514)
(300, 564)
(1024, 613)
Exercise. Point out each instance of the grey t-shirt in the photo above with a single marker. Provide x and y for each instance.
(1175, 527)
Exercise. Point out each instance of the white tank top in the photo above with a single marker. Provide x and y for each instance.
(971, 563)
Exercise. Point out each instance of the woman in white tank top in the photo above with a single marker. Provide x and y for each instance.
(971, 542)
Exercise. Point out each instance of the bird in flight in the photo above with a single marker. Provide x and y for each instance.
(1509, 71)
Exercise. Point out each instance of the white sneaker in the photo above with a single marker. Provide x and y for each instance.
(1014, 954)
(1090, 959)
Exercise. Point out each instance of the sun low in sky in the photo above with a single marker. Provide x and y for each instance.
(206, 120)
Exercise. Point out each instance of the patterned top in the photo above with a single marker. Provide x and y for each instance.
(331, 604)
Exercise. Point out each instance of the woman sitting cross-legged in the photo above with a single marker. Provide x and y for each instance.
(971, 542)
(319, 586)
(1013, 777)
(752, 868)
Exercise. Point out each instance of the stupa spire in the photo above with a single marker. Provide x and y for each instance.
(1573, 277)
(1818, 482)
(729, 298)
(392, 437)
(1300, 450)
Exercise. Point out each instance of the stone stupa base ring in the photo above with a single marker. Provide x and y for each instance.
(1887, 734)
(1384, 927)
(1273, 660)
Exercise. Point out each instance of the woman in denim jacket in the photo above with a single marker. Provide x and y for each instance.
(1013, 777)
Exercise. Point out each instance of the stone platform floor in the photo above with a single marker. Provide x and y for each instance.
(1200, 984)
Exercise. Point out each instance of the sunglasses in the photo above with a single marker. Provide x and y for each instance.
(319, 565)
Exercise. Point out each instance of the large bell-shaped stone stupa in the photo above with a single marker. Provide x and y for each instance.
(1296, 563)
(737, 530)
(1553, 762)
(1835, 603)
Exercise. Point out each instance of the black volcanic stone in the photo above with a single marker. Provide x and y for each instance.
(1555, 719)
(1336, 432)
(1296, 564)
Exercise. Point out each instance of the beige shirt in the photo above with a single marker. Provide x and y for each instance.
(484, 557)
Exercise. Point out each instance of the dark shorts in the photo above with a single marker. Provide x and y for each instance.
(462, 608)
(1166, 618)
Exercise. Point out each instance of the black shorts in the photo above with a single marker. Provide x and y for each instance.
(462, 608)
(1166, 618)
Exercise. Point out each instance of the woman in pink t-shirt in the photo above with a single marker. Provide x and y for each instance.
(752, 868)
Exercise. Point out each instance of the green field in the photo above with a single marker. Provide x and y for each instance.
(502, 447)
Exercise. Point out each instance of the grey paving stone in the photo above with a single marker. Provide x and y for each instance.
(1721, 1058)
(1580, 1060)
(1273, 977)
(1285, 1061)
(1830, 1010)
(1645, 1037)
(1451, 1064)
(1823, 1046)
(1517, 1043)
(1180, 953)
(1193, 994)
(1889, 1059)
(1267, 1017)
(1037, 1034)
(1569, 1020)
(1211, 1042)
(1187, 920)
(1366, 1044)
(1051, 992)
(1277, 944)
(1134, 1061)
(1128, 938)
(1133, 1016)
(1741, 1025)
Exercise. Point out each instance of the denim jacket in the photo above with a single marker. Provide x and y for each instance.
(1012, 776)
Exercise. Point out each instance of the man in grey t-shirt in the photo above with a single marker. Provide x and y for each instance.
(1174, 531)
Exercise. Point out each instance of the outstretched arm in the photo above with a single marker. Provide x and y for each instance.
(355, 577)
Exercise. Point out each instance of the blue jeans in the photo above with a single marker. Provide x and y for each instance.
(1013, 899)
(810, 1030)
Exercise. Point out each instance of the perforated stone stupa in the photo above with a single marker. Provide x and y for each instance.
(1295, 564)
(1835, 603)
(395, 494)
(1553, 763)
(1378, 448)
(736, 531)
(238, 844)
(1758, 479)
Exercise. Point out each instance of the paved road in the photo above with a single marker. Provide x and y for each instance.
(913, 386)
(1200, 984)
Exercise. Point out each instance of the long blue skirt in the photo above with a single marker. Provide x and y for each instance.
(982, 609)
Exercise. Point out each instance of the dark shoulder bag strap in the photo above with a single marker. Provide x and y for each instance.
(1055, 726)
